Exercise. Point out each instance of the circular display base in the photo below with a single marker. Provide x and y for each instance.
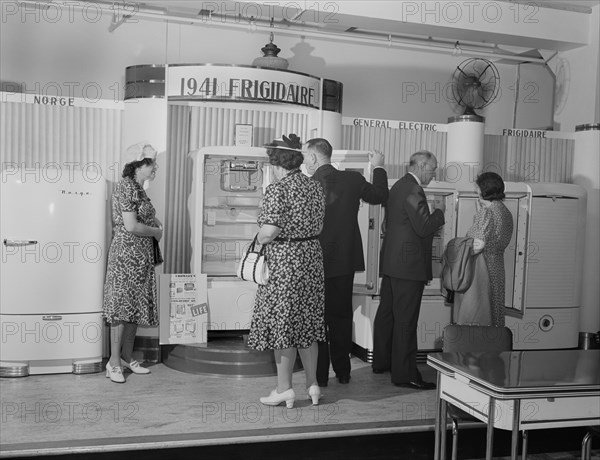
(226, 357)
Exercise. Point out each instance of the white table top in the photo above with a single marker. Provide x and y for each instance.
(513, 374)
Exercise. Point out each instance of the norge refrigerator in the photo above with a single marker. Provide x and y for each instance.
(53, 233)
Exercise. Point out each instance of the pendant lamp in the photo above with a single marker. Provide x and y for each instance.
(269, 59)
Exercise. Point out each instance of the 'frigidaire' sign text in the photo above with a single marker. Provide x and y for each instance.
(535, 133)
(248, 84)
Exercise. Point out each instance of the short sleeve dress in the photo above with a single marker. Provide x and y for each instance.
(130, 287)
(289, 309)
(494, 225)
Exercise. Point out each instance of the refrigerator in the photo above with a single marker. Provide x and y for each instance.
(53, 232)
(542, 262)
(542, 266)
(228, 184)
(227, 189)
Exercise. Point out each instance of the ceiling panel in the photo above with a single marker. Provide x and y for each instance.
(380, 18)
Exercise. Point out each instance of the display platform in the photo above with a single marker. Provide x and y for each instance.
(171, 414)
(222, 355)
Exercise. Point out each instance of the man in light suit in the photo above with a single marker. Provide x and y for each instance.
(342, 248)
(406, 268)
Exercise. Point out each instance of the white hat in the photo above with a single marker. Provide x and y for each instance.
(139, 151)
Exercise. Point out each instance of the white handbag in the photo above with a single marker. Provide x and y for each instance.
(253, 265)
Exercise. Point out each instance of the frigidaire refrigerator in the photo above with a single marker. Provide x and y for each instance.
(226, 198)
(53, 233)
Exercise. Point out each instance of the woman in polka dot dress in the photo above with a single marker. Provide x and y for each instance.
(483, 302)
(289, 310)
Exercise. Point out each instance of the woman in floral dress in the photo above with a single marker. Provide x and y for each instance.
(483, 302)
(289, 310)
(130, 297)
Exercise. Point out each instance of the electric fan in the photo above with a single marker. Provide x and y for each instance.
(475, 84)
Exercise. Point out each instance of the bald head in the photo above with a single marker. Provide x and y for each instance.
(423, 164)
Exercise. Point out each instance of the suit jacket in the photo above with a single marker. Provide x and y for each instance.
(406, 250)
(340, 238)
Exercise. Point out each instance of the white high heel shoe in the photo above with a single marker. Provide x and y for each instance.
(135, 367)
(115, 373)
(314, 393)
(275, 399)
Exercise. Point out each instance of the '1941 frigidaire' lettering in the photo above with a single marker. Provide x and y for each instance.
(247, 89)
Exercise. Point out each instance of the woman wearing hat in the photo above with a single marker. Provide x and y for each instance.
(130, 297)
(289, 310)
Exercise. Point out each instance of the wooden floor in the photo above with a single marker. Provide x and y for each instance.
(172, 414)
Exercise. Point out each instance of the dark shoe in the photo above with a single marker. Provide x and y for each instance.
(322, 384)
(379, 371)
(417, 385)
(344, 379)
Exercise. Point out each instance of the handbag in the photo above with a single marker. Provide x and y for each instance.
(253, 265)
(157, 256)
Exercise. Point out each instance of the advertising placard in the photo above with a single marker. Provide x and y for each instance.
(243, 135)
(183, 308)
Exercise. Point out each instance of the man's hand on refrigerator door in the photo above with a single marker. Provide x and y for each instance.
(376, 158)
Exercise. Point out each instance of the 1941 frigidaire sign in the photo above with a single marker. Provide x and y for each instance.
(239, 83)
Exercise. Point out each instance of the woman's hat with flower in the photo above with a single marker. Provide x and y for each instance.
(139, 151)
(290, 142)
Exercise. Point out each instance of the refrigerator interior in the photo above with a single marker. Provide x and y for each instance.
(227, 191)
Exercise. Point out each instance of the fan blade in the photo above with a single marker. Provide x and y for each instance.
(461, 71)
(484, 70)
(486, 100)
(490, 92)
(489, 87)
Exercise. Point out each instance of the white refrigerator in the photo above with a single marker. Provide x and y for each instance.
(53, 233)
(224, 204)
(542, 266)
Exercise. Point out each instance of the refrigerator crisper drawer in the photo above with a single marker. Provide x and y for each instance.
(51, 343)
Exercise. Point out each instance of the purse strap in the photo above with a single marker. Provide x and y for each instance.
(251, 249)
(260, 254)
(253, 245)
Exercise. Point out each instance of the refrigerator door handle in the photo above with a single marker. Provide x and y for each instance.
(19, 242)
(52, 317)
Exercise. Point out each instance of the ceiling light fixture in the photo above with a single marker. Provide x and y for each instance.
(457, 51)
(269, 59)
(252, 24)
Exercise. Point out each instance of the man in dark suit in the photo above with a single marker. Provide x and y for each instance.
(342, 248)
(406, 268)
